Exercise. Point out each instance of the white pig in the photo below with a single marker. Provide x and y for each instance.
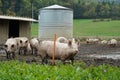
(34, 44)
(22, 44)
(11, 47)
(112, 42)
(63, 50)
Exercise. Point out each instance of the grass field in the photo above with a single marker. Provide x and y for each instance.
(90, 28)
(86, 27)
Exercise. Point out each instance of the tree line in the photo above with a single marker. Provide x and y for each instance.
(81, 8)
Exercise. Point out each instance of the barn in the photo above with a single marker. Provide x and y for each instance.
(12, 26)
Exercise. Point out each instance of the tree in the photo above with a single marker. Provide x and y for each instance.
(89, 10)
(81, 8)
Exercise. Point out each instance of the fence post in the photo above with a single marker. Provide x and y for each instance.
(54, 51)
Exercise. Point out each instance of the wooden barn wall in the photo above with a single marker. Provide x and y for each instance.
(24, 29)
(3, 30)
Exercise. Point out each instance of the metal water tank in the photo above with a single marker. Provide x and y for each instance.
(57, 20)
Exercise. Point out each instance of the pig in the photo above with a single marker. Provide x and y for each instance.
(62, 40)
(112, 43)
(64, 51)
(11, 47)
(104, 42)
(22, 44)
(29, 49)
(34, 44)
(92, 41)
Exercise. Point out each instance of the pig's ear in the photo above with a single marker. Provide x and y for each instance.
(78, 43)
(69, 42)
(73, 40)
(39, 41)
(26, 41)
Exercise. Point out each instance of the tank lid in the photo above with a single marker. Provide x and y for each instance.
(54, 7)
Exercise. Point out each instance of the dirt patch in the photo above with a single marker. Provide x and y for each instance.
(86, 50)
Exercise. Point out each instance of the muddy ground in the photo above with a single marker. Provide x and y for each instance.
(85, 50)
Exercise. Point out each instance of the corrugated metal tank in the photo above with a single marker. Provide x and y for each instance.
(55, 19)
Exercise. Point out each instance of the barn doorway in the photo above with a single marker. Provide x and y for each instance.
(13, 28)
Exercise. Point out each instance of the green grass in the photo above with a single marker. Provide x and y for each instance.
(34, 30)
(15, 70)
(90, 28)
(86, 27)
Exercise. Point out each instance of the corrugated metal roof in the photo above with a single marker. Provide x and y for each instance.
(17, 18)
(56, 7)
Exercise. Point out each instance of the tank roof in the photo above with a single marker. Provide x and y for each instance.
(55, 7)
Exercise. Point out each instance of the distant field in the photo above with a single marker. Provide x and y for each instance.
(86, 27)
(34, 30)
(90, 28)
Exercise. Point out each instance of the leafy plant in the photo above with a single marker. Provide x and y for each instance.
(15, 70)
